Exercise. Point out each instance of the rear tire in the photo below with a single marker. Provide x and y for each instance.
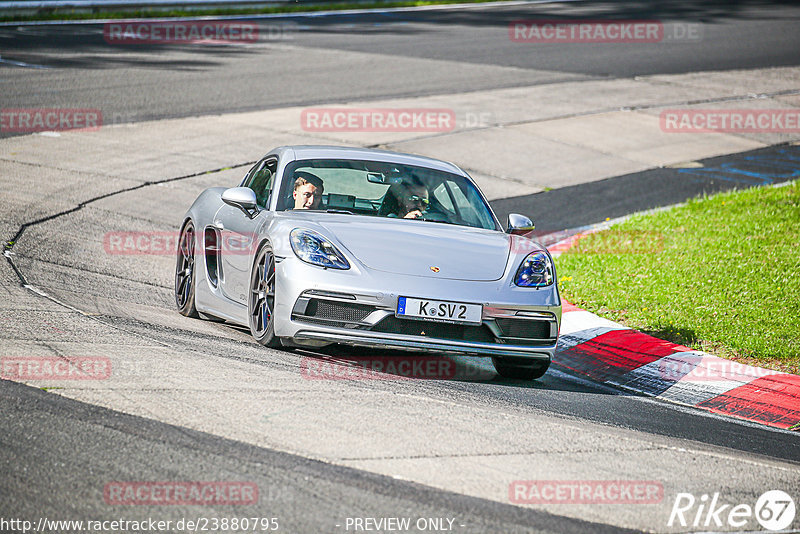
(520, 368)
(261, 301)
(185, 272)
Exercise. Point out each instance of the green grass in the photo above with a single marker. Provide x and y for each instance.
(53, 14)
(720, 274)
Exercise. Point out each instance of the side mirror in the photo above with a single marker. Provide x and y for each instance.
(519, 224)
(243, 198)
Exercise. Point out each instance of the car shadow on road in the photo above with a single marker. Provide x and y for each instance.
(341, 362)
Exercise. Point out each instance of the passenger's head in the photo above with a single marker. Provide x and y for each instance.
(308, 190)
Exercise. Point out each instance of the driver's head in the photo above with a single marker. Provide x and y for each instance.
(308, 189)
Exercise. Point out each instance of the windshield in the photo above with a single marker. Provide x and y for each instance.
(381, 189)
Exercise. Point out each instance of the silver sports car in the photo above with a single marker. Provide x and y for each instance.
(322, 245)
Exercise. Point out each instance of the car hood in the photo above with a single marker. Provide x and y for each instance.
(419, 248)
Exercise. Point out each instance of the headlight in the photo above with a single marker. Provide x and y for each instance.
(314, 249)
(536, 271)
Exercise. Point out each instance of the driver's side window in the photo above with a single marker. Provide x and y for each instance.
(261, 180)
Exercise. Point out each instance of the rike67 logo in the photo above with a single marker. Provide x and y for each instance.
(774, 510)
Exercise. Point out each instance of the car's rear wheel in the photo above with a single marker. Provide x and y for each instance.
(185, 272)
(520, 368)
(261, 302)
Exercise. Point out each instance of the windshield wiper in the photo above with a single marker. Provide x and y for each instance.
(339, 211)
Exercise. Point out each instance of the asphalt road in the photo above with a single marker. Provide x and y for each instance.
(576, 206)
(339, 58)
(57, 454)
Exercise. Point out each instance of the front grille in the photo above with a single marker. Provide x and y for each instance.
(346, 312)
(452, 332)
(524, 328)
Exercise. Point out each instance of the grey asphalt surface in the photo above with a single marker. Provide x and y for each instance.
(57, 456)
(57, 453)
(581, 205)
(302, 61)
(54, 443)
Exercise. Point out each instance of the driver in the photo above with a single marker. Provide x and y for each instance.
(308, 189)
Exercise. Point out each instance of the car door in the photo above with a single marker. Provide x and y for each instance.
(237, 232)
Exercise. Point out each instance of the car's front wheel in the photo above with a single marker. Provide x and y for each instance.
(261, 303)
(184, 272)
(520, 368)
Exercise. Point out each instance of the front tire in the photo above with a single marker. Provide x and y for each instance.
(261, 302)
(185, 272)
(520, 368)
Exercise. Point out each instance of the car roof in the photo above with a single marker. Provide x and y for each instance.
(300, 152)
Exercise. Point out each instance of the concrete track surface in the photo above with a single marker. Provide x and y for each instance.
(191, 400)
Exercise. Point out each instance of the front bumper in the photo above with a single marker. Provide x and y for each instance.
(321, 306)
(413, 343)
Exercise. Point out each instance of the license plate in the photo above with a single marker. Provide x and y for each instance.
(439, 310)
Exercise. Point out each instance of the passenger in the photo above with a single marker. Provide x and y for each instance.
(308, 189)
